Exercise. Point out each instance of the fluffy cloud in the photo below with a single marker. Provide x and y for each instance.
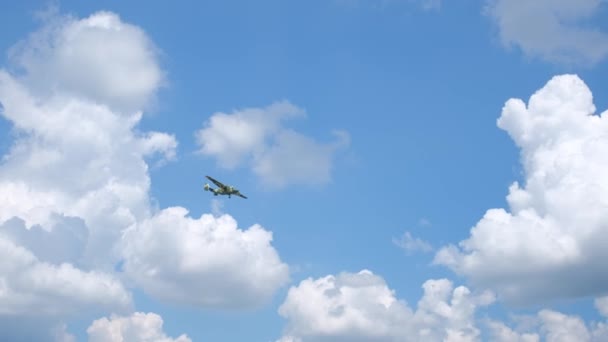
(277, 155)
(551, 326)
(28, 285)
(206, 261)
(502, 333)
(64, 242)
(77, 153)
(551, 29)
(231, 138)
(361, 307)
(139, 327)
(557, 228)
(117, 59)
(75, 179)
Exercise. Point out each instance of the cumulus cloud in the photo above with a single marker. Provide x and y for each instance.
(139, 327)
(556, 229)
(118, 60)
(560, 327)
(500, 332)
(66, 181)
(553, 30)
(361, 307)
(29, 286)
(277, 155)
(551, 326)
(231, 138)
(75, 182)
(78, 154)
(64, 242)
(206, 262)
(411, 244)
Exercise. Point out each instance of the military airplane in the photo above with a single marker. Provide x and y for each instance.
(222, 189)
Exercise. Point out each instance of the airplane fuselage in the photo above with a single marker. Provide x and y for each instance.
(229, 191)
(223, 189)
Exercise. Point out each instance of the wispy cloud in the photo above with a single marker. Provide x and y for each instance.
(552, 30)
(412, 245)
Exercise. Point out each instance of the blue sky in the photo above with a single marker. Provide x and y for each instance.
(415, 93)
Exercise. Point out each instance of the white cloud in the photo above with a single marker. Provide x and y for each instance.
(296, 158)
(60, 334)
(29, 286)
(73, 175)
(551, 326)
(118, 60)
(552, 30)
(277, 155)
(361, 307)
(601, 305)
(560, 327)
(502, 333)
(77, 156)
(411, 244)
(139, 327)
(556, 229)
(232, 138)
(205, 262)
(64, 242)
(76, 178)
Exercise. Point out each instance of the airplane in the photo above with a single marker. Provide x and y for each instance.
(222, 189)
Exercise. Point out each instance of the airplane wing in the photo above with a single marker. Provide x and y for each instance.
(216, 182)
(241, 195)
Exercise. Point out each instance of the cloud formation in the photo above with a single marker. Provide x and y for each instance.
(29, 286)
(551, 326)
(556, 229)
(206, 262)
(277, 155)
(74, 176)
(75, 187)
(78, 154)
(118, 60)
(138, 327)
(361, 307)
(552, 30)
